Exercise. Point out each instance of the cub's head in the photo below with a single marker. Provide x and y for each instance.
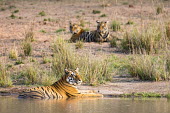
(75, 28)
(72, 77)
(102, 27)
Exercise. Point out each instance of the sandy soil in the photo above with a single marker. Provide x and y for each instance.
(12, 32)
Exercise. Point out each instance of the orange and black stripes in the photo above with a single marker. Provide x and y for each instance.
(63, 88)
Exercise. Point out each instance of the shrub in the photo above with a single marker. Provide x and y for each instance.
(93, 70)
(5, 78)
(149, 41)
(115, 26)
(96, 12)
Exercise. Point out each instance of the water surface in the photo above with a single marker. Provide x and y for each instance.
(87, 105)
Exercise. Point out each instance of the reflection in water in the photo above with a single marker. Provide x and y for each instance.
(86, 105)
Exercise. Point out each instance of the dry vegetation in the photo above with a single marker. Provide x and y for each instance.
(35, 50)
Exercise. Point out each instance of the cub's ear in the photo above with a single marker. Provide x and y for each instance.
(66, 71)
(77, 70)
(97, 21)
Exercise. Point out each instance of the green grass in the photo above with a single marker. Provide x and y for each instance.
(46, 60)
(2, 9)
(103, 15)
(16, 11)
(94, 71)
(143, 95)
(5, 78)
(42, 13)
(167, 96)
(159, 10)
(113, 42)
(19, 61)
(12, 16)
(130, 22)
(96, 12)
(115, 25)
(43, 31)
(60, 30)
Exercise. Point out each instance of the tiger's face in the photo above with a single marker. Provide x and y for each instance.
(75, 28)
(72, 77)
(102, 27)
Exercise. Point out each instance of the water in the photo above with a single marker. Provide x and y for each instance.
(87, 105)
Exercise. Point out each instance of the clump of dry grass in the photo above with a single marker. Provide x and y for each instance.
(115, 25)
(33, 75)
(147, 67)
(151, 40)
(13, 54)
(93, 70)
(5, 78)
(29, 34)
(79, 45)
(159, 10)
(27, 48)
(168, 30)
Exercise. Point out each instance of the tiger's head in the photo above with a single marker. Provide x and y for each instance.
(102, 27)
(73, 77)
(75, 28)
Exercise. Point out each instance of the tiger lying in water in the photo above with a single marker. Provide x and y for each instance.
(101, 34)
(63, 88)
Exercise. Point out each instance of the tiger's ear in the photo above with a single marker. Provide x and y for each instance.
(70, 22)
(77, 70)
(97, 21)
(106, 22)
(66, 71)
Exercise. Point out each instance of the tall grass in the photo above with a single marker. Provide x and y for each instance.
(151, 40)
(5, 78)
(33, 75)
(94, 71)
(147, 67)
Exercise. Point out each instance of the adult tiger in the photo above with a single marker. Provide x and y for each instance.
(63, 88)
(101, 34)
